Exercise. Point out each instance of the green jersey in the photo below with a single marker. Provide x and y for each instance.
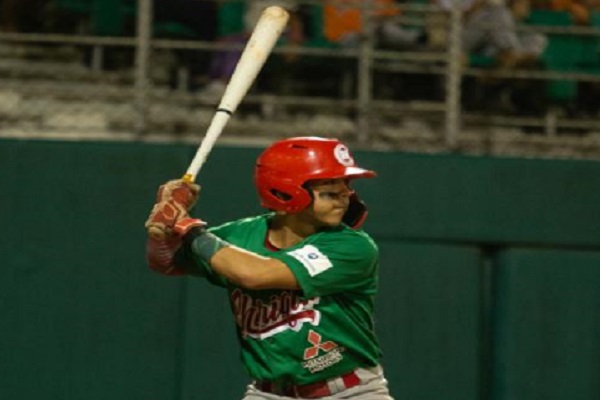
(316, 333)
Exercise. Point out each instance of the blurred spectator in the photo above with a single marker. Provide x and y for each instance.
(490, 29)
(223, 62)
(343, 24)
(578, 9)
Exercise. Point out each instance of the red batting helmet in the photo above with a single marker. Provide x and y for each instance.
(286, 165)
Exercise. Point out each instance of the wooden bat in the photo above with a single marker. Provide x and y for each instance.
(268, 29)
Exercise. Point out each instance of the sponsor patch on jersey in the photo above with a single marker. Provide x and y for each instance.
(313, 260)
(321, 354)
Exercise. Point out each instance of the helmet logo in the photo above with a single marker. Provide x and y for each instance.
(342, 154)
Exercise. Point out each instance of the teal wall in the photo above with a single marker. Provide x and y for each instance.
(547, 325)
(490, 278)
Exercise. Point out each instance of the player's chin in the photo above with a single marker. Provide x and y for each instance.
(334, 218)
(331, 223)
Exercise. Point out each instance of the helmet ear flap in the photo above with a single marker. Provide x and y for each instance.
(357, 212)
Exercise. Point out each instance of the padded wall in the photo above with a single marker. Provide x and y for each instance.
(83, 317)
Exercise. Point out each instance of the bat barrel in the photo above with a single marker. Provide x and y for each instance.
(268, 29)
(259, 46)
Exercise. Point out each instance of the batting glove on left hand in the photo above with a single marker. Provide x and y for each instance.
(173, 201)
(184, 193)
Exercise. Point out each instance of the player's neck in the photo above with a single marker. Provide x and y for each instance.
(286, 231)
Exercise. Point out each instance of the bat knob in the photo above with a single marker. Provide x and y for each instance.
(156, 233)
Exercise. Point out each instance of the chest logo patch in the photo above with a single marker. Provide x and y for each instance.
(315, 363)
(312, 259)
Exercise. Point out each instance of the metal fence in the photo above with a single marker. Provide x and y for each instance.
(121, 69)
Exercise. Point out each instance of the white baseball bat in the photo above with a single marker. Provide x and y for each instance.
(268, 29)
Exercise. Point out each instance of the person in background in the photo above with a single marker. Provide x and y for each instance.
(579, 10)
(223, 62)
(490, 33)
(343, 24)
(490, 29)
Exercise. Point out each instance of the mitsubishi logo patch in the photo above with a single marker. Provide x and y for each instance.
(315, 362)
(315, 339)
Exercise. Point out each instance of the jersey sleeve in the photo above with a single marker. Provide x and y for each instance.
(334, 263)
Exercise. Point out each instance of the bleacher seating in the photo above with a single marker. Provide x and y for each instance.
(112, 17)
(590, 54)
(562, 54)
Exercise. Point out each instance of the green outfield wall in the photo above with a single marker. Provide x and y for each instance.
(489, 289)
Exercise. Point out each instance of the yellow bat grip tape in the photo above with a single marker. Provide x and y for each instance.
(188, 178)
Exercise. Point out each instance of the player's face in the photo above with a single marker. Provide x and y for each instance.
(331, 200)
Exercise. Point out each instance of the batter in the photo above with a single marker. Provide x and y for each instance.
(301, 278)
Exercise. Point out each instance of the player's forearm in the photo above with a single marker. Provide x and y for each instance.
(253, 271)
(241, 267)
(160, 256)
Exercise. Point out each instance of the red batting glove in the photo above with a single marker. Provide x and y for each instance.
(182, 227)
(183, 193)
(173, 201)
(160, 253)
(163, 218)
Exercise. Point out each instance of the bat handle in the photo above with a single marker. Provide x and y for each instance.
(214, 130)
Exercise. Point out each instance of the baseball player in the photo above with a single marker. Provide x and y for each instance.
(301, 278)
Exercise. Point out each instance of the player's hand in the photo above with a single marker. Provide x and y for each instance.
(184, 193)
(173, 201)
(160, 252)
